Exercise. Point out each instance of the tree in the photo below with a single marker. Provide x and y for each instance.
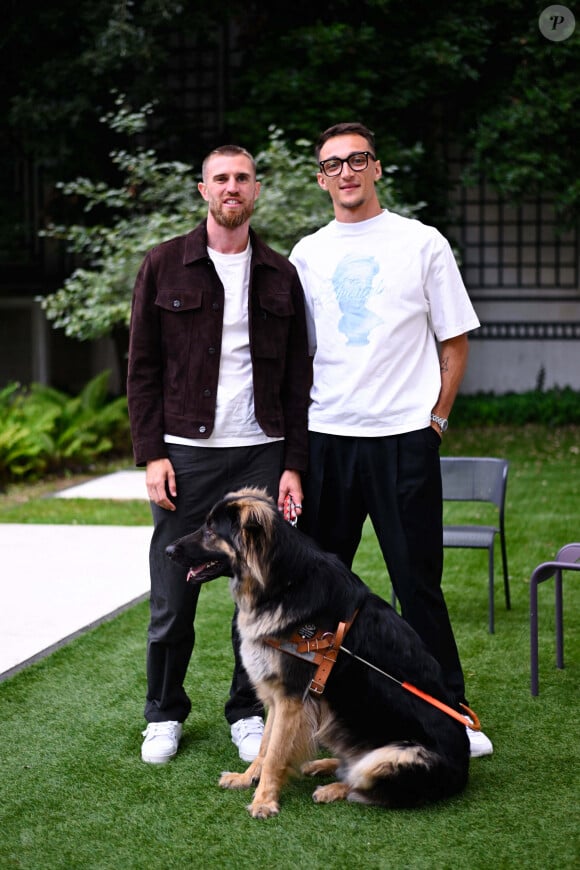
(153, 201)
(479, 77)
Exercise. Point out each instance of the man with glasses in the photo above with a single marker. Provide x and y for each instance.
(388, 322)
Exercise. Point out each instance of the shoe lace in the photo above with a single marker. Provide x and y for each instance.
(252, 725)
(156, 729)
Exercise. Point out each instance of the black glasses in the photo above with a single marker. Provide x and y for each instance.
(358, 161)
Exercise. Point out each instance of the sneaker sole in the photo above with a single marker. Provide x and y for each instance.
(248, 758)
(481, 753)
(157, 759)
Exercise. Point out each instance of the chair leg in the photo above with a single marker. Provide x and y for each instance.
(506, 578)
(559, 619)
(491, 593)
(534, 683)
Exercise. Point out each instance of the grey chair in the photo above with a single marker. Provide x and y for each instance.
(478, 479)
(567, 559)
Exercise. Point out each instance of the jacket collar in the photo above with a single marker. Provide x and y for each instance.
(196, 248)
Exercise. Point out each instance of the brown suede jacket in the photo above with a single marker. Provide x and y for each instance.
(175, 344)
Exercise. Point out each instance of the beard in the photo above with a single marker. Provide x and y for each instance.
(229, 219)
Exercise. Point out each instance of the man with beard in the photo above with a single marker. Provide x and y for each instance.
(218, 386)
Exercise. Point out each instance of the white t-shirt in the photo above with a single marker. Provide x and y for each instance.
(235, 420)
(378, 292)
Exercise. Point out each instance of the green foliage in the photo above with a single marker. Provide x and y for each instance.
(44, 431)
(478, 77)
(156, 200)
(556, 407)
(535, 118)
(24, 436)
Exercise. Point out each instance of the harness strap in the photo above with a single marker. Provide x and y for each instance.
(320, 649)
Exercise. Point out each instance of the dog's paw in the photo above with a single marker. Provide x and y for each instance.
(320, 767)
(263, 809)
(236, 780)
(327, 794)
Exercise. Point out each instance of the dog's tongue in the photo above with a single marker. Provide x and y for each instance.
(193, 572)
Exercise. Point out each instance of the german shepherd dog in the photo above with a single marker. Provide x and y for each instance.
(389, 746)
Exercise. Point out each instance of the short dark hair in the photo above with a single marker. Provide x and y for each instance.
(227, 151)
(341, 130)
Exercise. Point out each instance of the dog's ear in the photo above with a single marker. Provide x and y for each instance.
(252, 519)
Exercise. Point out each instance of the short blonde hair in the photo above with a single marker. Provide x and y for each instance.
(227, 151)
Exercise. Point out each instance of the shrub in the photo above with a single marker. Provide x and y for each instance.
(44, 430)
(556, 407)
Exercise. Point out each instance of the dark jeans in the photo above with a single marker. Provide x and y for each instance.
(204, 474)
(396, 480)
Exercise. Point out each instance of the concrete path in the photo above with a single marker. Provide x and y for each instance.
(58, 581)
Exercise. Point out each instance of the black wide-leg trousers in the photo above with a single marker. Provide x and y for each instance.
(396, 481)
(203, 476)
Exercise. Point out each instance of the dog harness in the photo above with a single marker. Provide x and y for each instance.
(322, 647)
(316, 646)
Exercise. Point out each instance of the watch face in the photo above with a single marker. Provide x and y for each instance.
(444, 424)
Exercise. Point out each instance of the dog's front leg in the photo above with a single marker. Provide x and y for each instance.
(251, 776)
(290, 733)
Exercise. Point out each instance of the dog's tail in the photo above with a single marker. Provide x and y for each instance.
(403, 775)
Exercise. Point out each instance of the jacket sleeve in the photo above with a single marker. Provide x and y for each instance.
(145, 369)
(297, 383)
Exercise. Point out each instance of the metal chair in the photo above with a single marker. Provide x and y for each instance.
(472, 479)
(567, 559)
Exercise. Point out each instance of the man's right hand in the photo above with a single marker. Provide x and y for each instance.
(160, 482)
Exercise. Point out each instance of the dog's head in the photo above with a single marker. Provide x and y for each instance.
(232, 541)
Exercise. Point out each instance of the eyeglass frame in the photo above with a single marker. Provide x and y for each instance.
(347, 160)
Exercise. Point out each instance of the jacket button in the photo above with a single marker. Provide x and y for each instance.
(215, 306)
(202, 429)
(207, 393)
(211, 350)
(176, 303)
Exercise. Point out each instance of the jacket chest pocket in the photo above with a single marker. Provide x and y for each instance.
(178, 307)
(272, 319)
(176, 301)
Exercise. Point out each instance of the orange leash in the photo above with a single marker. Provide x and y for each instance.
(470, 720)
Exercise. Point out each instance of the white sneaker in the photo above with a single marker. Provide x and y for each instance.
(247, 736)
(161, 742)
(479, 743)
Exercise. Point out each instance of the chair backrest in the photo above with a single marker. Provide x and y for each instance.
(474, 478)
(569, 553)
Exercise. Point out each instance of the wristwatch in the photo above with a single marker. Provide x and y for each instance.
(441, 422)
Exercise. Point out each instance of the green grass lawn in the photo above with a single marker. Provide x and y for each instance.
(75, 794)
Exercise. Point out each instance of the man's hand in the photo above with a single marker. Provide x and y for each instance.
(290, 484)
(160, 482)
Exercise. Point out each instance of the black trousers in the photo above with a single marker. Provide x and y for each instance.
(396, 480)
(204, 474)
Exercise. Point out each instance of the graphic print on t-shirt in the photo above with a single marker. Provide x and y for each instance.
(353, 283)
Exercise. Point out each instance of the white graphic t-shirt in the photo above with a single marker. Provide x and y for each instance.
(378, 292)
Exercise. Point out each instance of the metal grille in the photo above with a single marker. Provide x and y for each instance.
(556, 331)
(513, 246)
